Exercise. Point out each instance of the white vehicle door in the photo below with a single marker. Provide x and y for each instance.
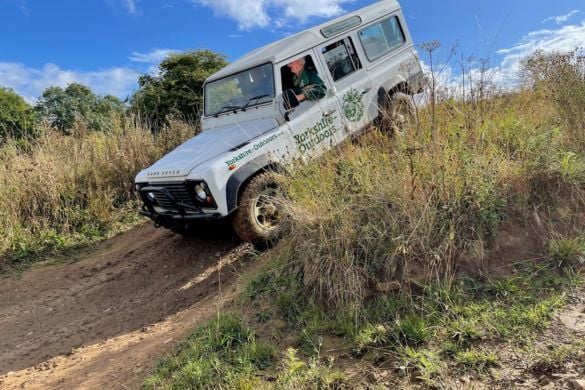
(351, 82)
(316, 124)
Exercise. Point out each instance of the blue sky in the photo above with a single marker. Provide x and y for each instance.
(106, 44)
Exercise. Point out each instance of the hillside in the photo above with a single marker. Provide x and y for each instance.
(449, 254)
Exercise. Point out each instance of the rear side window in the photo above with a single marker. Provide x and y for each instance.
(382, 37)
(341, 58)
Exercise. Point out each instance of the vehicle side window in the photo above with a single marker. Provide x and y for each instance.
(341, 58)
(382, 37)
(301, 77)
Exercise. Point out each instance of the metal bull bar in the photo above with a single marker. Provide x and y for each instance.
(148, 207)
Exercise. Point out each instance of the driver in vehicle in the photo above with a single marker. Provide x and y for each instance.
(307, 83)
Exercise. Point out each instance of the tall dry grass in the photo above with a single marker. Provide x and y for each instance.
(560, 79)
(60, 191)
(420, 204)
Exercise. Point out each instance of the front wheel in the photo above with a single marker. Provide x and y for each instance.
(259, 217)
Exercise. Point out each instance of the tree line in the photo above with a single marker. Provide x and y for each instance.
(175, 91)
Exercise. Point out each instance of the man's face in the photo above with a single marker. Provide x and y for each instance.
(296, 66)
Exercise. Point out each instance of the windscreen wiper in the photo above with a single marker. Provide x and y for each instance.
(255, 100)
(226, 109)
(243, 108)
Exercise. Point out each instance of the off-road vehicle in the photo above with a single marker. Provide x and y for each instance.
(253, 122)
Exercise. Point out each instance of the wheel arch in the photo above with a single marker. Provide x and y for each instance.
(238, 181)
(385, 93)
(400, 87)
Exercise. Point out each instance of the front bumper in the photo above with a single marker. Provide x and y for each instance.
(175, 213)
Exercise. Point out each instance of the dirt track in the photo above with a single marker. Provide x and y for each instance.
(103, 321)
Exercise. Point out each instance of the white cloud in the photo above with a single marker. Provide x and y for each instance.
(154, 57)
(131, 6)
(505, 73)
(563, 39)
(151, 60)
(31, 82)
(563, 18)
(302, 10)
(268, 13)
(252, 13)
(22, 5)
(24, 8)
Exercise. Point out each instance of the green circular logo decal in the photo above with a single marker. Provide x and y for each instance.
(353, 107)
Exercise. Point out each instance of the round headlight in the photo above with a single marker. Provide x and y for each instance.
(200, 192)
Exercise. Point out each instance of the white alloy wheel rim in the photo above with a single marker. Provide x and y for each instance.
(265, 211)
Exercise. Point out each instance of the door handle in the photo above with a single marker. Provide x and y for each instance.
(365, 90)
(330, 112)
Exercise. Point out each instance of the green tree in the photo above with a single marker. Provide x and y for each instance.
(62, 108)
(178, 87)
(16, 116)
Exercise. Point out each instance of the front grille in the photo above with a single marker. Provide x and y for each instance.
(179, 192)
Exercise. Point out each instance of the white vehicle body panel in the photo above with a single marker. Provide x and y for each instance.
(208, 145)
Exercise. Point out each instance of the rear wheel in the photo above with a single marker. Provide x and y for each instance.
(399, 114)
(259, 217)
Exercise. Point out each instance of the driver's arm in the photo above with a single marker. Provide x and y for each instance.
(316, 88)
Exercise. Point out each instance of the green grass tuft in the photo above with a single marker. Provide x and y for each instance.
(222, 353)
(477, 360)
(568, 253)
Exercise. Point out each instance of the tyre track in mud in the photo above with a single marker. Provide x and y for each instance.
(104, 320)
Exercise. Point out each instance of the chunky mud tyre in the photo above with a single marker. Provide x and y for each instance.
(259, 217)
(398, 114)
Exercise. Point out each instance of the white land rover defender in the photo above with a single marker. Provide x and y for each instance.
(293, 99)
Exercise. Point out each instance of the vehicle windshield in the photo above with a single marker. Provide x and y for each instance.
(240, 91)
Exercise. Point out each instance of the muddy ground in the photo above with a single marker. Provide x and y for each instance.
(104, 320)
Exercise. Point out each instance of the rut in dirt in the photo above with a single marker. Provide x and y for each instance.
(135, 280)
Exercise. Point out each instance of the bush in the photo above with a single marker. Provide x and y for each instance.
(16, 116)
(77, 107)
(368, 214)
(177, 90)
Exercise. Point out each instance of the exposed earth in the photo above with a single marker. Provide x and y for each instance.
(104, 320)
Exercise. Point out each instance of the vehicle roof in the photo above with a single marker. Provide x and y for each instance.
(290, 46)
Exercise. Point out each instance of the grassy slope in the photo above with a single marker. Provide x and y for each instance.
(417, 212)
(278, 337)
